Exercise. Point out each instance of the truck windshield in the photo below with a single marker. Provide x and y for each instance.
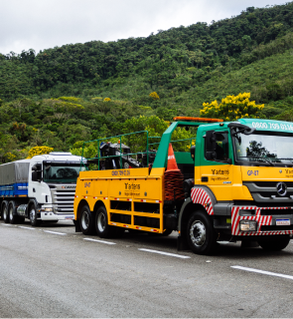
(54, 173)
(263, 149)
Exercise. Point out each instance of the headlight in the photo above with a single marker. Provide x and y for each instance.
(47, 209)
(247, 225)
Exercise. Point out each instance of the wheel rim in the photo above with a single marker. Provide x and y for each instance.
(85, 220)
(32, 214)
(198, 233)
(5, 213)
(10, 213)
(101, 222)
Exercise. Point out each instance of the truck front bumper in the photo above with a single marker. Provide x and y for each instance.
(50, 216)
(261, 221)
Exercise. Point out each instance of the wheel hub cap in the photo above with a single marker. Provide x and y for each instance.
(32, 214)
(198, 233)
(85, 221)
(101, 222)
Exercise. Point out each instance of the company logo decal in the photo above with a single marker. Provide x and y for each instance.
(132, 189)
(281, 189)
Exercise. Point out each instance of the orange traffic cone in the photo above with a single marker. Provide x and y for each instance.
(173, 178)
(171, 159)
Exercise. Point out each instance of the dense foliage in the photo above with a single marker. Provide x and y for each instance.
(65, 95)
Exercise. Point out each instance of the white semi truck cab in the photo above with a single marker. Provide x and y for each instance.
(40, 189)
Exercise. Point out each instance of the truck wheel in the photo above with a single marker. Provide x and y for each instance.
(33, 215)
(201, 235)
(274, 244)
(5, 214)
(11, 211)
(86, 221)
(101, 223)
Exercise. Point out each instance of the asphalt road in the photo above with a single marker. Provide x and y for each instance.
(53, 272)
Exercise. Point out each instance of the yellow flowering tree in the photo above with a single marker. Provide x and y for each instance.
(154, 96)
(107, 99)
(232, 108)
(39, 150)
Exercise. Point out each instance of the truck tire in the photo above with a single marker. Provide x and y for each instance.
(33, 215)
(13, 219)
(274, 243)
(201, 235)
(86, 221)
(5, 215)
(101, 224)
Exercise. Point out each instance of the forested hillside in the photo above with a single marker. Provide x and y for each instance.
(65, 95)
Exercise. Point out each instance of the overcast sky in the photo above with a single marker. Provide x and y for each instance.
(43, 24)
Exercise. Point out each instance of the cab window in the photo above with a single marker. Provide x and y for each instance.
(216, 146)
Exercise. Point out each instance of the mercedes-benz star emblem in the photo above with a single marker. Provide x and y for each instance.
(281, 189)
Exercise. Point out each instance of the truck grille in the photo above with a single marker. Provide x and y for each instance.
(63, 199)
(266, 192)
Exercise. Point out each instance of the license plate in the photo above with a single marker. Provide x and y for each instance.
(283, 222)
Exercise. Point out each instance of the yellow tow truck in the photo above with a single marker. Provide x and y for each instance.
(235, 184)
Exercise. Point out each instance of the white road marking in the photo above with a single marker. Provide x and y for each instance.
(263, 272)
(54, 232)
(163, 253)
(100, 241)
(6, 225)
(25, 227)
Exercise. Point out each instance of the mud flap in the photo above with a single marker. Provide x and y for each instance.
(77, 226)
(182, 243)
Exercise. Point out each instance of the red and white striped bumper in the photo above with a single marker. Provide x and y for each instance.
(262, 220)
